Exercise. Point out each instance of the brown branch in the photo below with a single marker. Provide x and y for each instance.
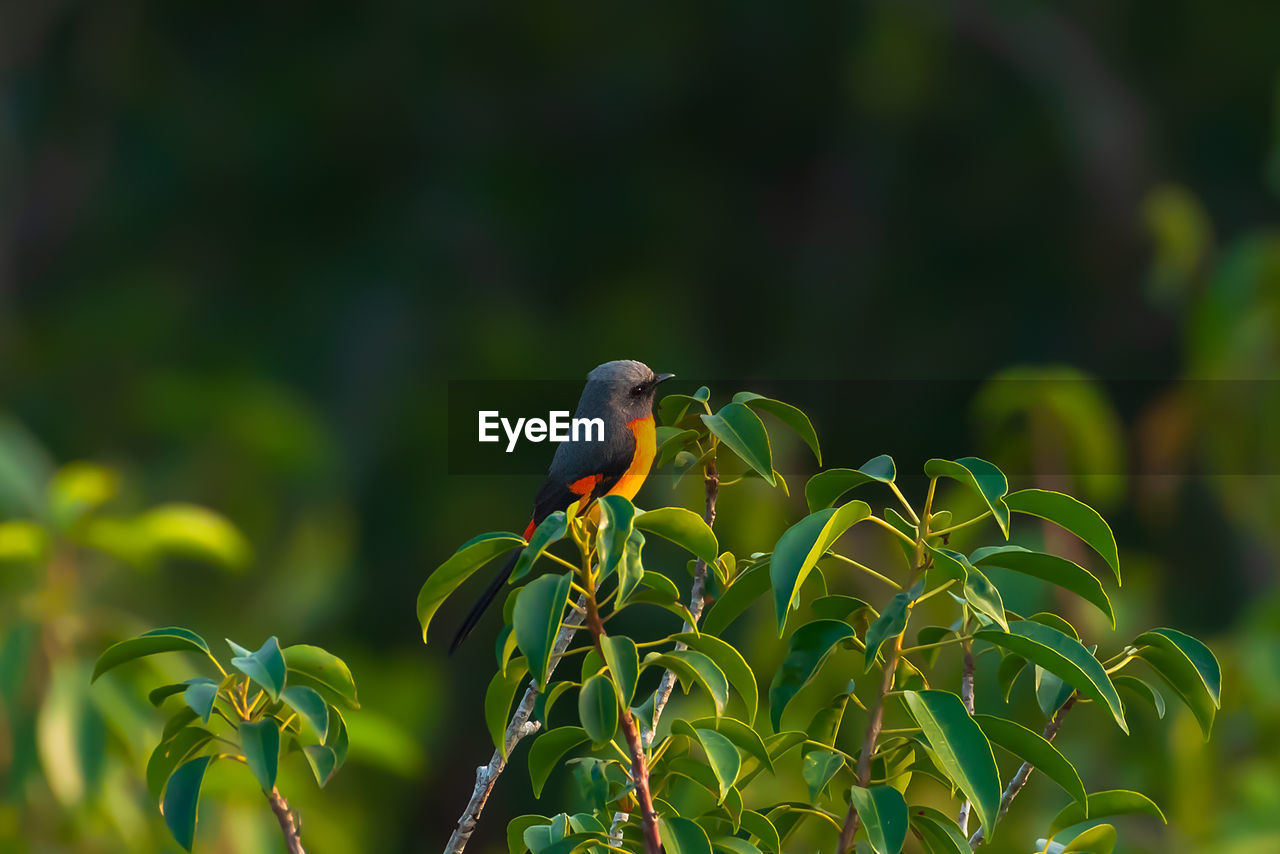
(1024, 771)
(519, 727)
(874, 725)
(288, 826)
(966, 696)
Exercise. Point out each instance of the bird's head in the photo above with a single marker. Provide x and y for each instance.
(624, 386)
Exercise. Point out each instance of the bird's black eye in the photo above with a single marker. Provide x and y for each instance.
(637, 390)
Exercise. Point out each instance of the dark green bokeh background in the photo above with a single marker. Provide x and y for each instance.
(244, 247)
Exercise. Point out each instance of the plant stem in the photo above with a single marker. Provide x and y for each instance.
(1024, 771)
(960, 525)
(288, 826)
(868, 570)
(966, 696)
(906, 505)
(883, 524)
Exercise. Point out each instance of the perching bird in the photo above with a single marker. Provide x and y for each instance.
(620, 393)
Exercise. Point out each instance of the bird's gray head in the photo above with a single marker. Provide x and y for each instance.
(623, 388)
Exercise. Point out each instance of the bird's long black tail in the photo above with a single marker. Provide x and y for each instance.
(490, 593)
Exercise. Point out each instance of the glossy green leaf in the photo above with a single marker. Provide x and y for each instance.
(826, 723)
(839, 607)
(682, 527)
(979, 592)
(884, 816)
(516, 828)
(200, 695)
(497, 702)
(630, 568)
(826, 487)
(741, 431)
(682, 836)
(623, 658)
(742, 735)
(536, 621)
(309, 705)
(1032, 747)
(1011, 666)
(891, 623)
(961, 749)
(260, 741)
(172, 752)
(1051, 568)
(551, 530)
(762, 829)
(617, 514)
(734, 845)
(1143, 689)
(598, 709)
(450, 575)
(1188, 667)
(168, 639)
(157, 696)
(1099, 839)
(817, 768)
(322, 761)
(787, 414)
(1051, 692)
(938, 831)
(808, 648)
(1063, 656)
(982, 477)
(1075, 516)
(691, 667)
(801, 546)
(265, 667)
(336, 737)
(320, 669)
(181, 800)
(731, 663)
(1104, 805)
(548, 749)
(749, 586)
(181, 718)
(722, 754)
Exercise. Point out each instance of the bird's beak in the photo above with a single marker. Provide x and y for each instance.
(662, 378)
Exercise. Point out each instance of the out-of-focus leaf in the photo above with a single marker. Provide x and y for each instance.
(982, 477)
(190, 531)
(80, 488)
(168, 639)
(1188, 667)
(536, 621)
(547, 751)
(741, 431)
(1063, 656)
(809, 646)
(787, 414)
(320, 669)
(683, 527)
(825, 488)
(181, 798)
(447, 577)
(1076, 516)
(962, 750)
(265, 667)
(801, 546)
(25, 468)
(260, 741)
(884, 815)
(22, 542)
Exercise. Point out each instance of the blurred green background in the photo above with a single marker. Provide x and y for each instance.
(244, 248)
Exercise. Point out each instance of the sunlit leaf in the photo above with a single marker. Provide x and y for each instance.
(199, 695)
(982, 477)
(320, 669)
(800, 548)
(1032, 747)
(447, 577)
(309, 705)
(691, 667)
(1188, 667)
(939, 832)
(962, 750)
(1050, 568)
(682, 836)
(1074, 515)
(891, 622)
(623, 658)
(826, 487)
(682, 527)
(817, 768)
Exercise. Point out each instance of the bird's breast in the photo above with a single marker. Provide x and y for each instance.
(641, 461)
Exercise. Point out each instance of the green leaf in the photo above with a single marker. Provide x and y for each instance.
(826, 723)
(1143, 689)
(745, 589)
(722, 754)
(1010, 668)
(939, 832)
(884, 815)
(551, 530)
(309, 705)
(741, 431)
(265, 667)
(336, 736)
(982, 477)
(734, 845)
(516, 828)
(1076, 516)
(598, 709)
(1051, 692)
(979, 592)
(1188, 667)
(692, 666)
(1063, 656)
(787, 414)
(617, 514)
(682, 527)
(447, 577)
(623, 658)
(186, 530)
(809, 646)
(1032, 747)
(817, 768)
(1099, 839)
(826, 487)
(536, 621)
(548, 749)
(891, 623)
(800, 547)
(200, 695)
(1051, 568)
(630, 568)
(168, 639)
(961, 749)
(172, 752)
(323, 762)
(681, 835)
(181, 799)
(318, 668)
(1104, 805)
(260, 741)
(762, 829)
(743, 736)
(838, 607)
(164, 692)
(731, 663)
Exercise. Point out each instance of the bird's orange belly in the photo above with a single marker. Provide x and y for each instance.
(646, 449)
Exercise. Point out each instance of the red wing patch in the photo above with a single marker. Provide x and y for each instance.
(528, 532)
(584, 485)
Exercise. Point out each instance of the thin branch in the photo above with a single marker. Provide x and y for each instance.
(519, 727)
(966, 696)
(1024, 771)
(868, 570)
(288, 824)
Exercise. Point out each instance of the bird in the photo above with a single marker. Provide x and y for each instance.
(621, 394)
